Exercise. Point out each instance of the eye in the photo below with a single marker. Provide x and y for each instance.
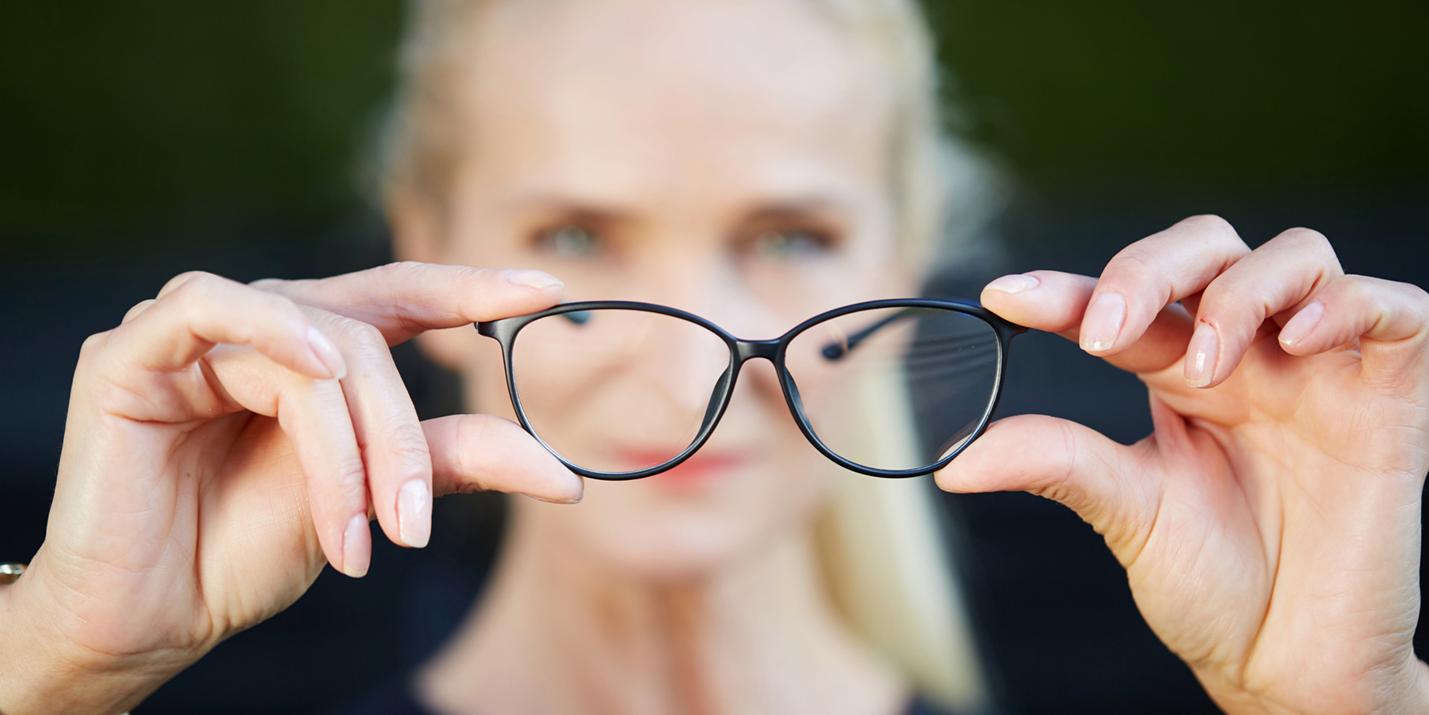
(784, 244)
(568, 241)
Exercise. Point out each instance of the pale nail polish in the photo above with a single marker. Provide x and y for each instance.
(562, 499)
(1201, 355)
(1302, 323)
(326, 353)
(1015, 283)
(539, 280)
(356, 547)
(1103, 322)
(414, 513)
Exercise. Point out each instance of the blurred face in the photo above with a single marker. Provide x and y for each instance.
(727, 158)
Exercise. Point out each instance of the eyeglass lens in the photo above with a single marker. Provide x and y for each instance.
(894, 388)
(619, 390)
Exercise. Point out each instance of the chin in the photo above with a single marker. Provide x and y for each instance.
(652, 534)
(678, 545)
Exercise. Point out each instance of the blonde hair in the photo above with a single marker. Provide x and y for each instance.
(884, 554)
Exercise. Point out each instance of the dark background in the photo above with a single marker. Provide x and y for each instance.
(143, 139)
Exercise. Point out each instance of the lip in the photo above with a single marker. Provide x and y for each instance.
(702, 468)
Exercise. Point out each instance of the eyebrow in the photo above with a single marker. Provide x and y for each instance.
(601, 213)
(818, 204)
(559, 206)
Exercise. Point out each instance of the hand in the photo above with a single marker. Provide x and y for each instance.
(225, 441)
(1270, 526)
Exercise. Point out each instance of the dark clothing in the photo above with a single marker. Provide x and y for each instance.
(397, 699)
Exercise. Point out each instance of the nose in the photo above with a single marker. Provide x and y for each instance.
(687, 365)
(709, 285)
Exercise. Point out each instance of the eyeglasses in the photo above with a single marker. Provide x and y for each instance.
(623, 390)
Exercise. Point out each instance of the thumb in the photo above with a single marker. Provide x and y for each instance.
(489, 453)
(1109, 485)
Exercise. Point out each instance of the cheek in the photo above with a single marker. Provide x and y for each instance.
(484, 381)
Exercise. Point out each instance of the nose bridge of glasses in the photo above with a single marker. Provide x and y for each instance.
(746, 350)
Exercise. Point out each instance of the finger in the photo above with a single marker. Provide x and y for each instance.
(204, 310)
(1100, 480)
(1275, 277)
(138, 308)
(314, 416)
(1055, 302)
(405, 298)
(394, 448)
(483, 452)
(1152, 273)
(1390, 320)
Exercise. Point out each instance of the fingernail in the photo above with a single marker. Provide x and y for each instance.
(564, 499)
(1201, 355)
(1103, 321)
(1302, 323)
(1015, 283)
(539, 280)
(414, 513)
(356, 547)
(571, 495)
(326, 353)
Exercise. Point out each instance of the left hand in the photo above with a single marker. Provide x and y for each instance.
(1270, 526)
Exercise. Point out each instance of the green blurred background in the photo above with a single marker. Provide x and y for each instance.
(146, 138)
(144, 119)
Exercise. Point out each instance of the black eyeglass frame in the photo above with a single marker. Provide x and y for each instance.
(505, 330)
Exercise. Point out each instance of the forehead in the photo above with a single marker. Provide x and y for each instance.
(612, 95)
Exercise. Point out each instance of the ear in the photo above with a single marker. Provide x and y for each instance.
(417, 231)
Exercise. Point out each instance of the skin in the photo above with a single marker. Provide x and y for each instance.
(665, 595)
(221, 440)
(1275, 509)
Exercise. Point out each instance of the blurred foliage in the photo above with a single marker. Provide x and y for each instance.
(124, 115)
(140, 118)
(1252, 95)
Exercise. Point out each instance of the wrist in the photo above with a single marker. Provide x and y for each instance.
(1405, 691)
(43, 673)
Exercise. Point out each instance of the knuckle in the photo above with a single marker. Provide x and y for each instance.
(1222, 298)
(362, 334)
(1420, 297)
(472, 274)
(135, 310)
(408, 447)
(397, 271)
(351, 475)
(1363, 294)
(472, 433)
(1214, 226)
(1351, 288)
(93, 345)
(1135, 263)
(202, 287)
(268, 285)
(278, 304)
(186, 281)
(1307, 240)
(359, 340)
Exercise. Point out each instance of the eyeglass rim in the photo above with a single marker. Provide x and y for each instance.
(505, 330)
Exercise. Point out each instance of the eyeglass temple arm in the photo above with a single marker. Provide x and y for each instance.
(836, 350)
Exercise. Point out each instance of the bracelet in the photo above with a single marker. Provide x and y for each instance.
(10, 571)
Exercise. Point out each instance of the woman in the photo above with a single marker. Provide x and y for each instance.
(753, 162)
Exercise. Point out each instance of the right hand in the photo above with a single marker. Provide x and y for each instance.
(227, 440)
